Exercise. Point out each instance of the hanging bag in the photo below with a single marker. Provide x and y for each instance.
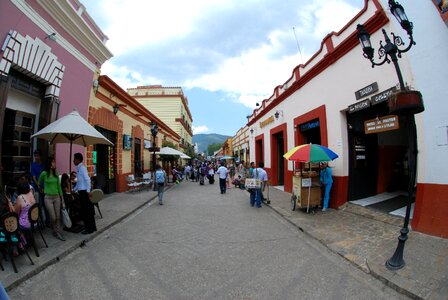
(252, 183)
(66, 221)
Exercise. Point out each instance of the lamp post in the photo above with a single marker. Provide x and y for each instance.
(154, 131)
(388, 52)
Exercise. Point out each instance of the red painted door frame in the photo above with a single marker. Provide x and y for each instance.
(318, 113)
(258, 155)
(274, 153)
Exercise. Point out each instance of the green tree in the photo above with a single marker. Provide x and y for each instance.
(212, 148)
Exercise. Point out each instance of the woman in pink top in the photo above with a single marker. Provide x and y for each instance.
(25, 200)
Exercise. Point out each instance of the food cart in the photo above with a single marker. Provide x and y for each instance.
(306, 179)
(306, 192)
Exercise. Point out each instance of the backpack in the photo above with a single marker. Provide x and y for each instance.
(160, 177)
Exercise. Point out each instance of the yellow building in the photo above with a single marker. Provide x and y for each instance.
(170, 105)
(227, 147)
(127, 124)
(240, 144)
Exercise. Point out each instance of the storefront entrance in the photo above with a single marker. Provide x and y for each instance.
(378, 161)
(310, 132)
(280, 151)
(104, 162)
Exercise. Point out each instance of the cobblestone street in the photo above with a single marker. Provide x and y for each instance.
(203, 245)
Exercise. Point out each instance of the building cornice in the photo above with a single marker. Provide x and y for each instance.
(69, 19)
(127, 99)
(373, 24)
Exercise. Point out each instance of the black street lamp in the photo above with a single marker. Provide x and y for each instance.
(404, 102)
(154, 131)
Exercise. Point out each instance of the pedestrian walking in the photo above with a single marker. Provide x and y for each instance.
(49, 179)
(37, 167)
(83, 189)
(251, 170)
(187, 170)
(326, 181)
(260, 174)
(222, 172)
(161, 182)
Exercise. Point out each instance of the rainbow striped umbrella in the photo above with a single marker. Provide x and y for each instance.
(310, 153)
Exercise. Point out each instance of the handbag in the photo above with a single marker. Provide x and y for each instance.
(66, 221)
(252, 183)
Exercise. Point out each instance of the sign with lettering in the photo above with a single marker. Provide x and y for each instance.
(366, 91)
(382, 124)
(358, 106)
(267, 121)
(309, 125)
(383, 96)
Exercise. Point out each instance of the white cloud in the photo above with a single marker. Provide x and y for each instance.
(200, 129)
(125, 77)
(255, 73)
(138, 23)
(248, 76)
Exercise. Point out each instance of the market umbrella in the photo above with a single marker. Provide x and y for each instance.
(72, 129)
(308, 153)
(184, 156)
(170, 151)
(226, 157)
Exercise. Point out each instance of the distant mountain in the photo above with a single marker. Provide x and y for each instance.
(203, 140)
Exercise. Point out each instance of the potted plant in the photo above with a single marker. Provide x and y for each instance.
(406, 102)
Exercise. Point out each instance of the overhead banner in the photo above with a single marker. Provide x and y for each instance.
(382, 124)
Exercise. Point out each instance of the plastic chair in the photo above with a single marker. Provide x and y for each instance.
(133, 185)
(33, 218)
(10, 224)
(95, 197)
(147, 182)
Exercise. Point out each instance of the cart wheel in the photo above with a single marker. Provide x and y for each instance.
(293, 202)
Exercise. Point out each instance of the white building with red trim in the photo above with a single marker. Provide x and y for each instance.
(329, 99)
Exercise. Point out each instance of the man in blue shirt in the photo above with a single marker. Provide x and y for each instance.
(37, 168)
(83, 189)
(257, 195)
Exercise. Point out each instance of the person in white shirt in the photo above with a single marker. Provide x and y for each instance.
(260, 174)
(187, 172)
(222, 172)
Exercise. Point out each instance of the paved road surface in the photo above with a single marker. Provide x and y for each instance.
(203, 245)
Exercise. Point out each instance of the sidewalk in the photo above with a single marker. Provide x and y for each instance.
(114, 207)
(368, 238)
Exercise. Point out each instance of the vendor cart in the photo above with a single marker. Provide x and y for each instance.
(306, 180)
(306, 191)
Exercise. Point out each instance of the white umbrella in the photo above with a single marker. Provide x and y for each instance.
(170, 151)
(72, 129)
(184, 156)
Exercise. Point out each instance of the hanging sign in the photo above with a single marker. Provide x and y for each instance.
(383, 96)
(366, 91)
(382, 124)
(358, 106)
(267, 121)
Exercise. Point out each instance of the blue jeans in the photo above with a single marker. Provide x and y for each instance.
(160, 191)
(255, 197)
(222, 185)
(327, 194)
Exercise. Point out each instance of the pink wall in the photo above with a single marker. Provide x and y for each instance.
(77, 80)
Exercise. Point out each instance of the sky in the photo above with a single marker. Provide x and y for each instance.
(227, 55)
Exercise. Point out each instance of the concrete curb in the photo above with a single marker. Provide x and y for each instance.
(77, 245)
(367, 271)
